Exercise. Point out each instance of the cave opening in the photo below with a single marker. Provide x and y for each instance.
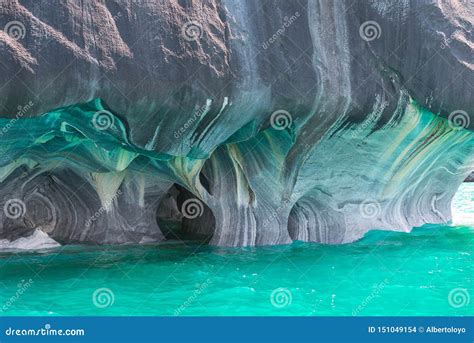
(182, 216)
(462, 204)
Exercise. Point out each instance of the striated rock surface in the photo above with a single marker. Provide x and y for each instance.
(277, 120)
(470, 178)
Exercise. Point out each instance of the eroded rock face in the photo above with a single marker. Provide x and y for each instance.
(302, 120)
(470, 178)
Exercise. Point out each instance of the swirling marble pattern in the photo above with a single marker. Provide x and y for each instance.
(279, 120)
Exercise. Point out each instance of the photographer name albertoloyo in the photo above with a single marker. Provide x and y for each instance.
(415, 329)
(444, 329)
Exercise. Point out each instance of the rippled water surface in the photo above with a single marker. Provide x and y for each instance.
(427, 272)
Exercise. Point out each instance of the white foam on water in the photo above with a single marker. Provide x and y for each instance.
(38, 240)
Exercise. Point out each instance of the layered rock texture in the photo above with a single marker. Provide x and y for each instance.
(251, 122)
(470, 178)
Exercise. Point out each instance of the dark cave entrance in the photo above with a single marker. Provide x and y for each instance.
(184, 217)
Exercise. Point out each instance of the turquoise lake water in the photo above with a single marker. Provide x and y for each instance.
(429, 271)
